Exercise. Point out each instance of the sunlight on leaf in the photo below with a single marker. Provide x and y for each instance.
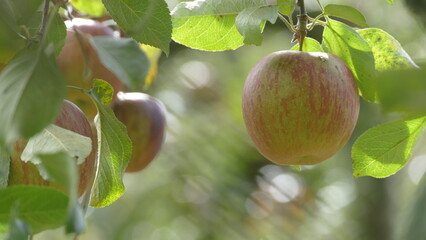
(54, 139)
(388, 52)
(286, 6)
(250, 22)
(114, 149)
(344, 42)
(91, 7)
(309, 45)
(211, 25)
(385, 149)
(146, 21)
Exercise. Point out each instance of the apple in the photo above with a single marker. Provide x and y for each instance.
(300, 108)
(73, 63)
(145, 119)
(73, 119)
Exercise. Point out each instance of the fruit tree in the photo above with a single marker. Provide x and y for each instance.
(78, 112)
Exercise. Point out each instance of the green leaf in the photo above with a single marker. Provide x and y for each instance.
(385, 149)
(94, 8)
(402, 90)
(114, 149)
(346, 12)
(22, 9)
(54, 139)
(250, 22)
(124, 58)
(146, 21)
(29, 15)
(102, 92)
(197, 32)
(32, 91)
(211, 25)
(4, 167)
(11, 40)
(62, 168)
(344, 42)
(388, 52)
(3, 228)
(309, 45)
(19, 230)
(297, 168)
(56, 34)
(390, 1)
(7, 17)
(41, 208)
(286, 7)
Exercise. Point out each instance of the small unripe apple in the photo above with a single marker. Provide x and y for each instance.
(145, 119)
(300, 108)
(79, 70)
(70, 118)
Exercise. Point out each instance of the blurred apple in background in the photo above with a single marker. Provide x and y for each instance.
(145, 119)
(74, 65)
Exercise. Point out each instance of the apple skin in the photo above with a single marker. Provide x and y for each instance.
(73, 119)
(300, 108)
(71, 62)
(145, 119)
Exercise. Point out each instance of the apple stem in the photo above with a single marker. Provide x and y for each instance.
(302, 22)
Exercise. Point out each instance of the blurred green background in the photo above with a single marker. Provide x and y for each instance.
(209, 182)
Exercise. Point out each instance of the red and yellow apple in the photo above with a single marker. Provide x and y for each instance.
(80, 64)
(70, 118)
(145, 119)
(300, 108)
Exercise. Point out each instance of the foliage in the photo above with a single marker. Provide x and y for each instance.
(32, 89)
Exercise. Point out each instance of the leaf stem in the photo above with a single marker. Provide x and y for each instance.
(320, 5)
(315, 21)
(78, 89)
(287, 23)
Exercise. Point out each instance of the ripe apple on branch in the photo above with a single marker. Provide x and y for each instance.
(72, 119)
(142, 114)
(145, 119)
(300, 107)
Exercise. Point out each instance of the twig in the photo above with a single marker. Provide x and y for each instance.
(44, 19)
(302, 22)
